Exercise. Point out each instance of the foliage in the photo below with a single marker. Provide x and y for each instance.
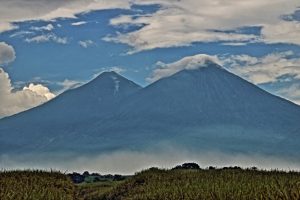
(209, 184)
(95, 191)
(230, 183)
(35, 185)
(187, 166)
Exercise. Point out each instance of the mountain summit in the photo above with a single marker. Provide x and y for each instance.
(200, 108)
(64, 114)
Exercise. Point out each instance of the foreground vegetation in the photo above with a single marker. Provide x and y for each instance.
(180, 183)
(35, 185)
(209, 184)
(94, 191)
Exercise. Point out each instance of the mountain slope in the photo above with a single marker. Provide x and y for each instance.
(211, 95)
(207, 108)
(60, 116)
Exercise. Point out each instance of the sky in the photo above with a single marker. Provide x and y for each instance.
(48, 47)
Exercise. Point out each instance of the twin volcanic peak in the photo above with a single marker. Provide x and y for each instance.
(199, 108)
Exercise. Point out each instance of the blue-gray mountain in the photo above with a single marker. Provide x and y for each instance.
(207, 108)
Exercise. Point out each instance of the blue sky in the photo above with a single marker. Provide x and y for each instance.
(67, 44)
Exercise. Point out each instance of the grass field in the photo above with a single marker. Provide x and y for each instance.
(156, 184)
(209, 185)
(35, 185)
(94, 191)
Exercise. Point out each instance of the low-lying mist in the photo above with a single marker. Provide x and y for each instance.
(129, 162)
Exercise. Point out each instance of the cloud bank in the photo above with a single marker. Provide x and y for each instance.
(176, 23)
(129, 162)
(20, 10)
(181, 23)
(14, 101)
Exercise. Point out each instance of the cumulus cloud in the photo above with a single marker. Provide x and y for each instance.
(180, 23)
(189, 62)
(20, 10)
(7, 53)
(40, 90)
(14, 101)
(47, 38)
(267, 69)
(86, 43)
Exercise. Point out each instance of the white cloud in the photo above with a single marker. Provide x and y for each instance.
(20, 10)
(234, 44)
(117, 69)
(123, 19)
(12, 101)
(177, 23)
(69, 84)
(21, 34)
(282, 32)
(266, 69)
(180, 23)
(48, 27)
(47, 38)
(4, 26)
(78, 23)
(291, 92)
(40, 90)
(189, 62)
(109, 69)
(86, 43)
(7, 53)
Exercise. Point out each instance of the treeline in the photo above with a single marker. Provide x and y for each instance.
(87, 177)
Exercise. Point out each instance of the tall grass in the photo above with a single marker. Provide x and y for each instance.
(229, 184)
(95, 191)
(35, 185)
(155, 184)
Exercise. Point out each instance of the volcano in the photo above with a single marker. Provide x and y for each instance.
(204, 108)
